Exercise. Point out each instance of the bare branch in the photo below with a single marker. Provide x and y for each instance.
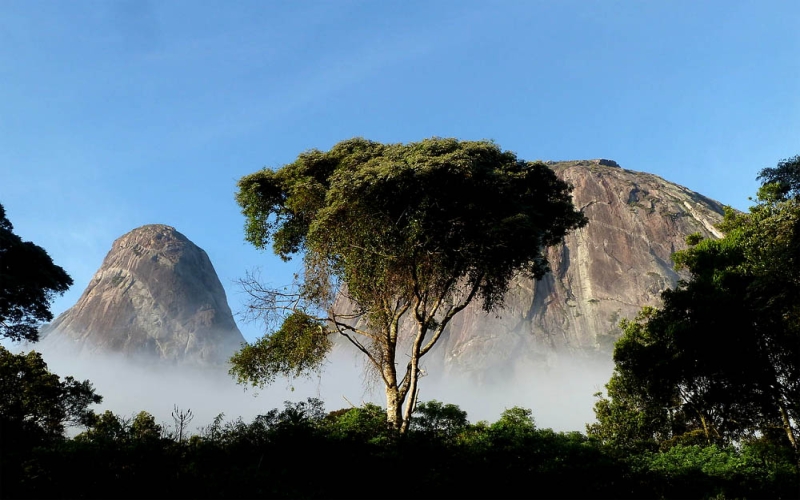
(266, 303)
(448, 316)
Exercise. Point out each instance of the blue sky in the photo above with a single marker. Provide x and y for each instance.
(115, 114)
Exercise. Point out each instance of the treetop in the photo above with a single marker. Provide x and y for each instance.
(382, 213)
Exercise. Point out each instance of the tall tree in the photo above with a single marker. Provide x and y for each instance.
(722, 356)
(28, 282)
(409, 235)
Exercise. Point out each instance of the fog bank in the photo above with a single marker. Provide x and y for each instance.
(560, 395)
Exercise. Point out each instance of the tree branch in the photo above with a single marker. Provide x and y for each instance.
(448, 316)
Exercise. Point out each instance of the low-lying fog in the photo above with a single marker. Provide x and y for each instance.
(560, 396)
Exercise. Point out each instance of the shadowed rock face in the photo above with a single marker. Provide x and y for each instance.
(603, 272)
(156, 296)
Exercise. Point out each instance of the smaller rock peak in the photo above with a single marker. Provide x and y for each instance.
(156, 295)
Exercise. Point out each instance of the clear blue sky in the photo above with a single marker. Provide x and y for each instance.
(115, 114)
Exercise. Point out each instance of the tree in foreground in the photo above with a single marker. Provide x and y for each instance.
(35, 404)
(28, 282)
(720, 361)
(406, 235)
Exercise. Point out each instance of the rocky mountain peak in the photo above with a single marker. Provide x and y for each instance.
(603, 272)
(155, 296)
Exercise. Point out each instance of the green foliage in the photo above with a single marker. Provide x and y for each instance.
(516, 419)
(305, 413)
(631, 418)
(35, 403)
(781, 182)
(720, 361)
(300, 452)
(28, 282)
(693, 239)
(409, 233)
(35, 408)
(382, 217)
(436, 418)
(144, 428)
(366, 423)
(106, 428)
(696, 471)
(297, 349)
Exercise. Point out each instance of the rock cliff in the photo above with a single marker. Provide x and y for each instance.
(156, 296)
(603, 272)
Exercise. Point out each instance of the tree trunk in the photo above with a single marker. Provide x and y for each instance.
(413, 376)
(787, 426)
(411, 405)
(394, 409)
(705, 427)
(394, 402)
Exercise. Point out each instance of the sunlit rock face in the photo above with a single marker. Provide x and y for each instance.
(602, 273)
(155, 297)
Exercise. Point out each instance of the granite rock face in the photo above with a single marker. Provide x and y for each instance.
(603, 272)
(156, 297)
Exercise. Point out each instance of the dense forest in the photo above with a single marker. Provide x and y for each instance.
(704, 401)
(303, 452)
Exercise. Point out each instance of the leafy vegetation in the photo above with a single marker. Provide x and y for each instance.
(301, 451)
(719, 363)
(28, 282)
(404, 235)
(36, 406)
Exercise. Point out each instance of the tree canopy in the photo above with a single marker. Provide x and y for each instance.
(403, 236)
(28, 282)
(782, 181)
(35, 404)
(720, 360)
